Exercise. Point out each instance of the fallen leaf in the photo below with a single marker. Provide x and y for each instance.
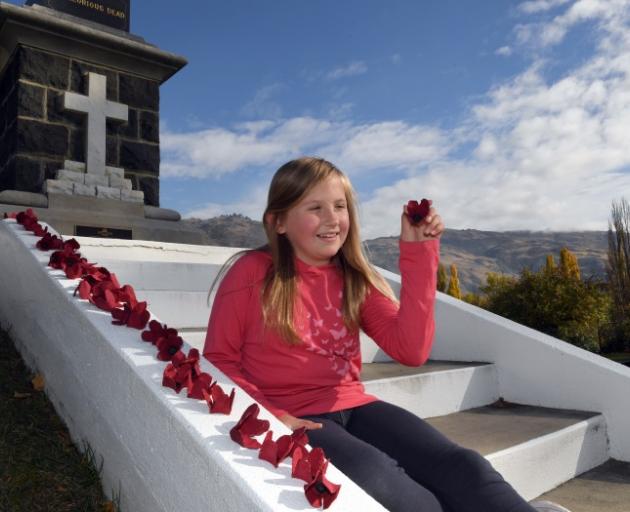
(21, 395)
(38, 382)
(109, 506)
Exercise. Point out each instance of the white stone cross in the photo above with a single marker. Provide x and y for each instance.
(98, 108)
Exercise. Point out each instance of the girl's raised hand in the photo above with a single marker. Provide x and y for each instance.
(429, 228)
(294, 423)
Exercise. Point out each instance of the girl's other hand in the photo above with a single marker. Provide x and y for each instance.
(430, 228)
(294, 423)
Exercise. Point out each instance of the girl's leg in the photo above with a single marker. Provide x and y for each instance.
(462, 479)
(372, 470)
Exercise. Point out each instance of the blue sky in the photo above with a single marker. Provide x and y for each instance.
(508, 114)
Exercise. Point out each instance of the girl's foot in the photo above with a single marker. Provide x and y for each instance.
(548, 506)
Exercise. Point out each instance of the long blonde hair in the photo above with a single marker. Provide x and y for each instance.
(289, 185)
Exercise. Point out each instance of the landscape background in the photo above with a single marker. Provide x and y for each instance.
(474, 252)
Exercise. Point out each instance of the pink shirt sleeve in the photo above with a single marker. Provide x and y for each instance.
(228, 323)
(405, 332)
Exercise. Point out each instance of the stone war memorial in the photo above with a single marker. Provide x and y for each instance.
(79, 146)
(79, 120)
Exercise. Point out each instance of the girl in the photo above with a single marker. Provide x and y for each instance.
(285, 327)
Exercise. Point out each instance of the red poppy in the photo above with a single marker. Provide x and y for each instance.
(49, 242)
(132, 316)
(201, 383)
(321, 491)
(168, 345)
(10, 215)
(276, 451)
(305, 465)
(249, 426)
(100, 293)
(416, 212)
(154, 333)
(182, 370)
(299, 438)
(220, 403)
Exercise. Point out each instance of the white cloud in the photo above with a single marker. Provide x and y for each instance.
(504, 51)
(546, 154)
(535, 6)
(262, 105)
(358, 148)
(352, 69)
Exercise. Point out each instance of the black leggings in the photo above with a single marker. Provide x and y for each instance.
(408, 466)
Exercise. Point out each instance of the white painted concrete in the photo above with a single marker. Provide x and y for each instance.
(537, 369)
(439, 393)
(161, 451)
(557, 457)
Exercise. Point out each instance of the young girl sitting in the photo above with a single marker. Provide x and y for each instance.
(285, 327)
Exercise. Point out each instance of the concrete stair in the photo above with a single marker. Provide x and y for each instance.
(535, 448)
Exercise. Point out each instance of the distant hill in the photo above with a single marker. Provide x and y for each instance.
(474, 252)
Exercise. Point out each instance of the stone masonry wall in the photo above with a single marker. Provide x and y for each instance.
(37, 134)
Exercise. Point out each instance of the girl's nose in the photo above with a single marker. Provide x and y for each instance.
(331, 216)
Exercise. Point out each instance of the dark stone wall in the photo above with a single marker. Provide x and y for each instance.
(37, 134)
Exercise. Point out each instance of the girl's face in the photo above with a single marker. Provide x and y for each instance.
(318, 225)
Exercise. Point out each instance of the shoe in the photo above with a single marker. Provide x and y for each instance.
(548, 506)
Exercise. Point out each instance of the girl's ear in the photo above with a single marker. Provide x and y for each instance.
(273, 220)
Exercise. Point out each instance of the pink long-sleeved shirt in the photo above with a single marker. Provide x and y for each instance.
(321, 374)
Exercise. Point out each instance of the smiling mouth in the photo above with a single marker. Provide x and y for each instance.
(328, 236)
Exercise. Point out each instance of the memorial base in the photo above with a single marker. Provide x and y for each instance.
(106, 218)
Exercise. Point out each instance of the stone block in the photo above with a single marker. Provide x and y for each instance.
(30, 101)
(56, 113)
(138, 92)
(29, 174)
(120, 183)
(107, 192)
(134, 196)
(151, 188)
(115, 171)
(9, 144)
(51, 167)
(58, 187)
(149, 126)
(43, 67)
(73, 165)
(84, 190)
(76, 148)
(140, 156)
(78, 78)
(41, 138)
(74, 177)
(111, 151)
(95, 179)
(127, 129)
(8, 78)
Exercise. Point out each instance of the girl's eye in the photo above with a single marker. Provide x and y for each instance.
(341, 207)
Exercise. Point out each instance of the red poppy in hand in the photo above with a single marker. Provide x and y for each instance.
(416, 212)
(249, 426)
(321, 491)
(276, 451)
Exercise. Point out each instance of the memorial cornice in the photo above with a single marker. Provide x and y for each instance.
(45, 28)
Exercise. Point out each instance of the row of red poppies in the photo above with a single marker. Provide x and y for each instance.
(101, 288)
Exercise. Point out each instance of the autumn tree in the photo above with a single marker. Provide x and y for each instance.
(554, 300)
(453, 284)
(441, 278)
(618, 271)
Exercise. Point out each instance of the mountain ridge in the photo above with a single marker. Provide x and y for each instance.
(474, 252)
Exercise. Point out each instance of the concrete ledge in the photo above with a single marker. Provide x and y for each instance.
(21, 198)
(164, 452)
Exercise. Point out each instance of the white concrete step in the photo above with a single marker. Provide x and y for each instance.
(434, 389)
(534, 448)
